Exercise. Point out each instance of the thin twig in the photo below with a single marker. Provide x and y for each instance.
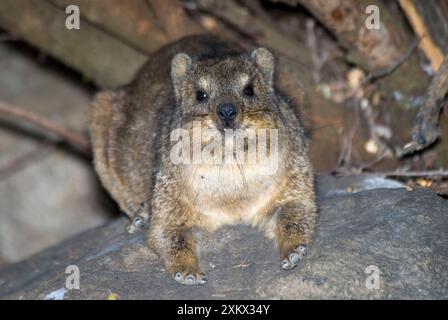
(435, 173)
(385, 72)
(20, 161)
(426, 131)
(4, 37)
(311, 42)
(440, 173)
(418, 23)
(375, 161)
(71, 137)
(345, 155)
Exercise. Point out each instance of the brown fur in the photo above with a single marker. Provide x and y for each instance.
(130, 131)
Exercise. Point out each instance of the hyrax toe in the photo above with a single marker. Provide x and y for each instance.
(293, 258)
(190, 278)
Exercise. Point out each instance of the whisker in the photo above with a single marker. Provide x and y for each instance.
(256, 111)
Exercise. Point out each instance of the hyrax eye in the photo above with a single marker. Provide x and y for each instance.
(201, 96)
(248, 90)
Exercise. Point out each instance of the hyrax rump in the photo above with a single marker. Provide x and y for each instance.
(204, 80)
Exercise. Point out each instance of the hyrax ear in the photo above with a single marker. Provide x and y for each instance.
(180, 65)
(265, 62)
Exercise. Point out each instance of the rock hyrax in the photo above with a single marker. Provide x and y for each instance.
(201, 85)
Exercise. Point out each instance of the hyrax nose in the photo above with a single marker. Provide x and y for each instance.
(227, 111)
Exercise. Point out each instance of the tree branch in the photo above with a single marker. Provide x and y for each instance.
(425, 131)
(71, 137)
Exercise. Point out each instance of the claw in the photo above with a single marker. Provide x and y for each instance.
(178, 277)
(136, 224)
(203, 279)
(286, 265)
(293, 258)
(302, 250)
(190, 278)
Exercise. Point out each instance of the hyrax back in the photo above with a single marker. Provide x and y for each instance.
(197, 86)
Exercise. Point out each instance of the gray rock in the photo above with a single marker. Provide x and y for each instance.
(402, 233)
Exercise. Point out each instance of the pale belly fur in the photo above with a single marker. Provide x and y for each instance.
(229, 194)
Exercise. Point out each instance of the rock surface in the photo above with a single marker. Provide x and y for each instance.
(403, 233)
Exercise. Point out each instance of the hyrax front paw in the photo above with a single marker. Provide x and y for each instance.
(293, 258)
(190, 277)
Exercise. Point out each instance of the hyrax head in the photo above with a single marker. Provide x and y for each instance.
(227, 93)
